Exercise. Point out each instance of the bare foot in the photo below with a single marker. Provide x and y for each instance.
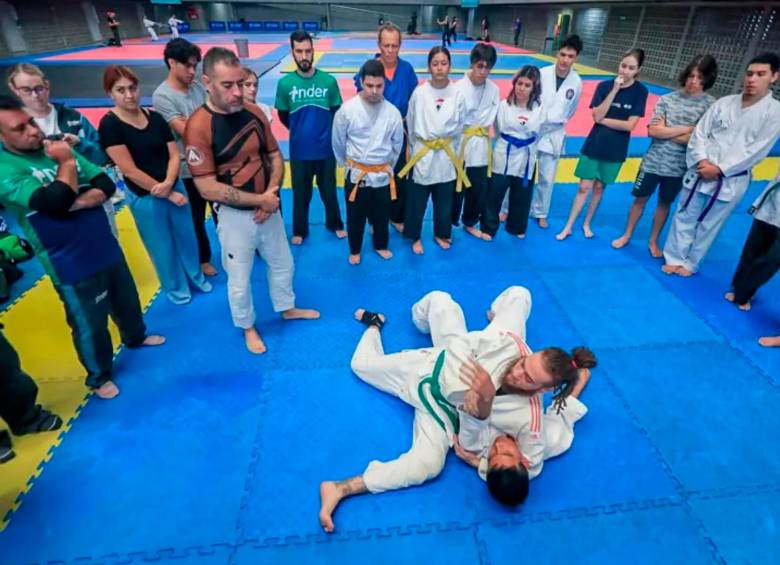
(296, 240)
(542, 223)
(502, 217)
(208, 269)
(655, 251)
(341, 234)
(489, 314)
(521, 236)
(399, 227)
(107, 391)
(487, 236)
(330, 496)
(563, 235)
(360, 311)
(384, 253)
(300, 314)
(770, 341)
(621, 242)
(745, 307)
(153, 340)
(588, 232)
(417, 247)
(354, 259)
(473, 231)
(441, 242)
(670, 269)
(729, 296)
(254, 342)
(683, 272)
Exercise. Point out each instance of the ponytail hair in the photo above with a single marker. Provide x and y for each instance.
(565, 370)
(636, 53)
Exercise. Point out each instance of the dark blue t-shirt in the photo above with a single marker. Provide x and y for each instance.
(607, 144)
(399, 89)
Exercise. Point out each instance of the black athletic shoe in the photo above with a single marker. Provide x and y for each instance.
(6, 449)
(44, 422)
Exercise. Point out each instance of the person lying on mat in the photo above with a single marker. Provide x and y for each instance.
(479, 390)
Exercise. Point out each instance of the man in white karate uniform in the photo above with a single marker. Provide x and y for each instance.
(174, 22)
(481, 99)
(732, 137)
(561, 89)
(367, 137)
(436, 382)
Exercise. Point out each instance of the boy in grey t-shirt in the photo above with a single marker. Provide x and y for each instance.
(663, 166)
(175, 99)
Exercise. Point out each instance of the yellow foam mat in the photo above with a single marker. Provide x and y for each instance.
(35, 324)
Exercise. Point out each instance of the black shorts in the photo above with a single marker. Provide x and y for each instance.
(645, 185)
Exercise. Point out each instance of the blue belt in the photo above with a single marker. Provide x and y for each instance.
(518, 143)
(713, 198)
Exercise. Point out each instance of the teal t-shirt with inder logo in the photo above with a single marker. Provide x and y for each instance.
(310, 102)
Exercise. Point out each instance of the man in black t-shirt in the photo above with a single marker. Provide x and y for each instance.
(113, 25)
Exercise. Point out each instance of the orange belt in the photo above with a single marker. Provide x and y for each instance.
(364, 170)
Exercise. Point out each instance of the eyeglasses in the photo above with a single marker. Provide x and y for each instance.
(37, 90)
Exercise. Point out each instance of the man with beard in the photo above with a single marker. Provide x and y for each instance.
(175, 99)
(229, 147)
(306, 101)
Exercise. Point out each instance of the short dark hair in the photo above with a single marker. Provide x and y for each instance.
(219, 55)
(572, 41)
(372, 68)
(9, 103)
(707, 67)
(436, 50)
(509, 486)
(483, 52)
(767, 58)
(181, 51)
(300, 35)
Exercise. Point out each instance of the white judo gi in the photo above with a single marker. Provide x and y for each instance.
(150, 25)
(434, 114)
(408, 376)
(560, 104)
(480, 105)
(367, 134)
(174, 22)
(735, 139)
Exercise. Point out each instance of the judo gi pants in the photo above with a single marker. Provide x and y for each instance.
(198, 210)
(519, 204)
(372, 204)
(689, 240)
(417, 202)
(469, 203)
(18, 391)
(240, 237)
(88, 304)
(399, 374)
(303, 174)
(759, 262)
(169, 237)
(547, 165)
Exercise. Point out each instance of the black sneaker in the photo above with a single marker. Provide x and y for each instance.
(44, 422)
(6, 449)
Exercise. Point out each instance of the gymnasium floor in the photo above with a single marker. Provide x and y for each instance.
(212, 455)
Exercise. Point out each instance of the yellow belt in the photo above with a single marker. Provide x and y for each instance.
(445, 144)
(364, 170)
(476, 131)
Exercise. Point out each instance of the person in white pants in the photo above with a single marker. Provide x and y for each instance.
(436, 382)
(150, 25)
(561, 89)
(174, 22)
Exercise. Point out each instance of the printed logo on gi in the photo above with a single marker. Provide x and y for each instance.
(570, 94)
(522, 118)
(439, 103)
(194, 156)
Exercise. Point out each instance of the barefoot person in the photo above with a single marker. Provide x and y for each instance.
(435, 122)
(56, 196)
(441, 398)
(229, 167)
(617, 105)
(732, 137)
(663, 166)
(368, 134)
(770, 341)
(760, 258)
(561, 89)
(481, 98)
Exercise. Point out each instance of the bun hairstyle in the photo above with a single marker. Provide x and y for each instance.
(565, 370)
(636, 53)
